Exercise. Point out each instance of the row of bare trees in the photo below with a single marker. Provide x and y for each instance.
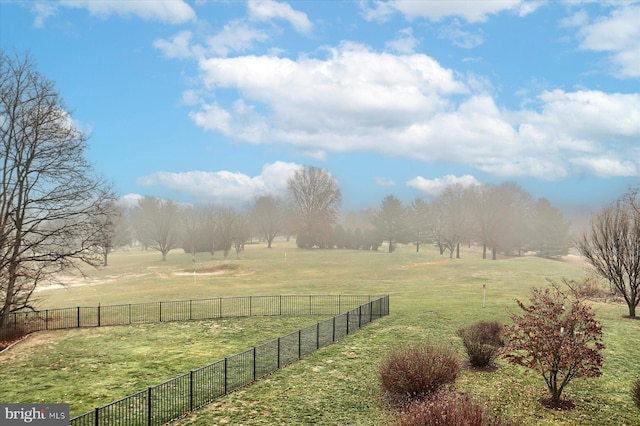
(164, 225)
(500, 218)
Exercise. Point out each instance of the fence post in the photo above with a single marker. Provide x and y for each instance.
(348, 323)
(96, 417)
(278, 352)
(129, 313)
(334, 330)
(98, 315)
(149, 405)
(254, 363)
(160, 311)
(78, 316)
(225, 376)
(250, 304)
(299, 343)
(46, 319)
(317, 335)
(360, 316)
(190, 309)
(191, 390)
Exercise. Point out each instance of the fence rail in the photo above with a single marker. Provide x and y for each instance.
(174, 398)
(180, 310)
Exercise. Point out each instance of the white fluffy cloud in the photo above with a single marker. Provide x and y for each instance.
(128, 201)
(470, 11)
(616, 34)
(433, 187)
(332, 103)
(266, 10)
(236, 36)
(223, 186)
(405, 42)
(170, 12)
(384, 182)
(409, 105)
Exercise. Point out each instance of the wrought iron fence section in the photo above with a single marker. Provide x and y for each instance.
(208, 383)
(181, 310)
(174, 398)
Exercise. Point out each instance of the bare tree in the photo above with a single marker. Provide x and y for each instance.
(501, 217)
(315, 199)
(194, 220)
(109, 228)
(455, 207)
(240, 232)
(232, 230)
(487, 218)
(420, 219)
(51, 203)
(158, 224)
(268, 217)
(210, 228)
(612, 246)
(548, 230)
(391, 221)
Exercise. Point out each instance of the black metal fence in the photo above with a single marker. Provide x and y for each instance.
(180, 310)
(174, 398)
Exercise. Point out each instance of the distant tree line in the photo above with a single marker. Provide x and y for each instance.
(499, 218)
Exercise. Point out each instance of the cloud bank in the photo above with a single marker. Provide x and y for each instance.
(409, 105)
(226, 187)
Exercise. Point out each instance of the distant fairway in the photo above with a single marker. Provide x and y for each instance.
(431, 297)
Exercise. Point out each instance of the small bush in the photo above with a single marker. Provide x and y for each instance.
(482, 342)
(635, 393)
(412, 373)
(447, 409)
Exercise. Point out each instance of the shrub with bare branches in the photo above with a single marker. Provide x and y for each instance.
(414, 372)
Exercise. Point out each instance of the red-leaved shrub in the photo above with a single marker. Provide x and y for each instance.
(447, 409)
(482, 341)
(412, 373)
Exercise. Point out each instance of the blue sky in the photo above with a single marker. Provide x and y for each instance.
(220, 101)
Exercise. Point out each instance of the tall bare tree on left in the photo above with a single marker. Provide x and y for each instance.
(52, 204)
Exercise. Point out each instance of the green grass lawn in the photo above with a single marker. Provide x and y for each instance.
(431, 297)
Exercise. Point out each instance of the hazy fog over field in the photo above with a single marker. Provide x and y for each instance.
(222, 101)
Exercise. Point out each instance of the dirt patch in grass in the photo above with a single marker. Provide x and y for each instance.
(74, 281)
(562, 405)
(225, 268)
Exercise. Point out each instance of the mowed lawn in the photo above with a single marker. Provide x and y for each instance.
(431, 297)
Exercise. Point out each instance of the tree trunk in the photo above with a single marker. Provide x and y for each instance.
(484, 250)
(6, 309)
(458, 251)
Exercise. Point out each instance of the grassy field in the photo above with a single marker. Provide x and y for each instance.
(431, 297)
